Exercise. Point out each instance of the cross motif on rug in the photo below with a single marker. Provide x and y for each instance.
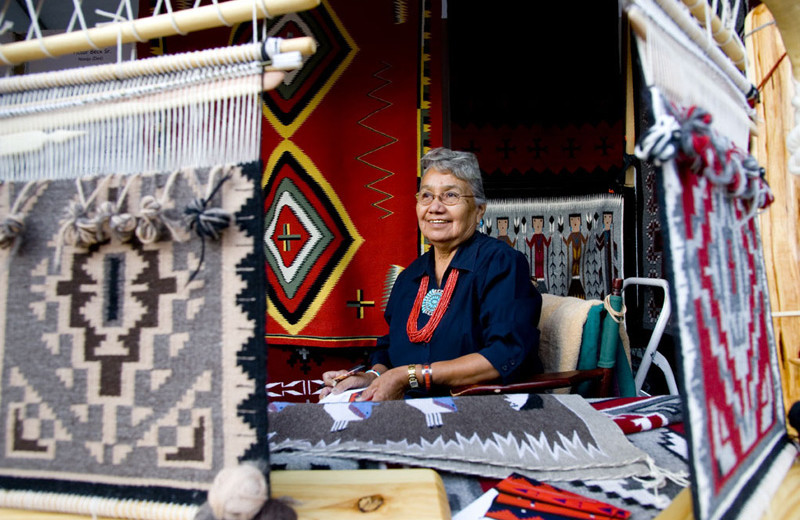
(571, 148)
(359, 303)
(472, 147)
(506, 148)
(287, 237)
(604, 146)
(537, 148)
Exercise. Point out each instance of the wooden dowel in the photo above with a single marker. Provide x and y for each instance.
(155, 65)
(179, 22)
(638, 23)
(305, 44)
(687, 25)
(630, 112)
(727, 40)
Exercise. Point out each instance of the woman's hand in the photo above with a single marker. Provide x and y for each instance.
(389, 386)
(358, 380)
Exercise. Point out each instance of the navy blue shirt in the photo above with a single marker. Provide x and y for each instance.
(494, 311)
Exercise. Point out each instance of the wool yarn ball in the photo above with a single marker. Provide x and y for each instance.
(238, 493)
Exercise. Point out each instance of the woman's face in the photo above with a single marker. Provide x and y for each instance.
(447, 226)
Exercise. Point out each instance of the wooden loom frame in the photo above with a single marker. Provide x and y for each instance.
(169, 24)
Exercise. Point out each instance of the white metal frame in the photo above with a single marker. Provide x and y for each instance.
(651, 355)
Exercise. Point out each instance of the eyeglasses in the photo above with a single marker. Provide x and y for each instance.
(448, 198)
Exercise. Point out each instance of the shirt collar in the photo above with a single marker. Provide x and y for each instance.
(463, 260)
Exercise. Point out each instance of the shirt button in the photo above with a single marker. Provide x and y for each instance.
(505, 368)
(513, 362)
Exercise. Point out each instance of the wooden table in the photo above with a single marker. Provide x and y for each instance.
(331, 495)
(415, 493)
(785, 503)
(391, 494)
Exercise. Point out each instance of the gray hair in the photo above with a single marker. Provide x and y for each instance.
(462, 165)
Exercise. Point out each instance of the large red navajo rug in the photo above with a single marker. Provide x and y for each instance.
(341, 140)
(711, 191)
(341, 152)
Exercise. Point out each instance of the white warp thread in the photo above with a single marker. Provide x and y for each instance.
(196, 118)
(684, 72)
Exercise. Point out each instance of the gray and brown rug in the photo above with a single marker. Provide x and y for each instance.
(132, 361)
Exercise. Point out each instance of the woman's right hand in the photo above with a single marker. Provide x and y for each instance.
(390, 386)
(358, 380)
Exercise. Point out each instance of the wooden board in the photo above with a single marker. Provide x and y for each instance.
(418, 494)
(785, 503)
(333, 495)
(392, 494)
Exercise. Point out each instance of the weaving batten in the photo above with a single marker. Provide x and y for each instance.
(169, 24)
(28, 134)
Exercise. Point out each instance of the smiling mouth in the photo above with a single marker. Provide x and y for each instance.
(438, 221)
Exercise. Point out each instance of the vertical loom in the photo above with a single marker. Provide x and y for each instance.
(710, 189)
(131, 250)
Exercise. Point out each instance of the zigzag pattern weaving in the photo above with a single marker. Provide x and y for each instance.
(542, 436)
(340, 149)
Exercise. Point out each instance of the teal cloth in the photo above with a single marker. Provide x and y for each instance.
(590, 341)
(601, 346)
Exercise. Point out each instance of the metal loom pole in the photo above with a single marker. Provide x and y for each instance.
(143, 29)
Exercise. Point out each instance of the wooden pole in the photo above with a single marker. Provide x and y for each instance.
(155, 65)
(143, 29)
(780, 223)
(630, 113)
(727, 40)
(787, 16)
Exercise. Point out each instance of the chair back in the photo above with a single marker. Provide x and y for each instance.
(583, 335)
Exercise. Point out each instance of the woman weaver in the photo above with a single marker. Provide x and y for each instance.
(465, 312)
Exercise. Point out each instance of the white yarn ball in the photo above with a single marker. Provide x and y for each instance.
(793, 139)
(238, 493)
(793, 145)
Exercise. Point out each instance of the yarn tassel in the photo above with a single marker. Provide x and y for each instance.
(79, 228)
(204, 221)
(152, 220)
(121, 226)
(687, 136)
(13, 225)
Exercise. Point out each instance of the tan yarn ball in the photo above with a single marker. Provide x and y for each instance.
(238, 493)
